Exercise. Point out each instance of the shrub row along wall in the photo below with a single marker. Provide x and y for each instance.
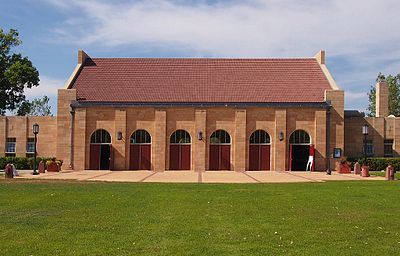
(378, 163)
(21, 163)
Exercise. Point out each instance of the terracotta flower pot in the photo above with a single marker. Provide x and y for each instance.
(365, 171)
(41, 167)
(357, 169)
(53, 167)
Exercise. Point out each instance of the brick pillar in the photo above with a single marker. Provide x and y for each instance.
(21, 132)
(378, 132)
(63, 149)
(396, 141)
(119, 146)
(280, 147)
(199, 155)
(382, 99)
(159, 145)
(336, 97)
(320, 140)
(3, 135)
(81, 142)
(240, 141)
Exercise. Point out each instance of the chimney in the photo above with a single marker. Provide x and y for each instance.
(382, 99)
(82, 57)
(320, 56)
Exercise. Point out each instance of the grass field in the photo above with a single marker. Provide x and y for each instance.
(382, 174)
(72, 218)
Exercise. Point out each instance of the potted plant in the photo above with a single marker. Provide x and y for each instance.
(344, 166)
(41, 167)
(54, 165)
(364, 168)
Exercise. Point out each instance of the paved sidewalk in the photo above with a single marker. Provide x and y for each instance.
(195, 177)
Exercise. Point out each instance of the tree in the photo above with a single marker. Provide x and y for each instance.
(36, 107)
(16, 72)
(394, 94)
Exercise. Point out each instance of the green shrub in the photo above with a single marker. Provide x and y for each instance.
(377, 163)
(22, 163)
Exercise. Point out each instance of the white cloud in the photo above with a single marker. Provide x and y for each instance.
(239, 28)
(355, 95)
(360, 33)
(48, 86)
(60, 4)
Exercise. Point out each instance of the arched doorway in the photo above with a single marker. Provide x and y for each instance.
(300, 150)
(259, 151)
(179, 150)
(220, 151)
(100, 150)
(140, 150)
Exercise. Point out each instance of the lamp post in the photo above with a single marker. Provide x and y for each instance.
(364, 131)
(35, 132)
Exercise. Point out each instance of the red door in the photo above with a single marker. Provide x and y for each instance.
(214, 157)
(134, 161)
(140, 157)
(94, 163)
(259, 157)
(225, 154)
(185, 157)
(174, 157)
(265, 153)
(220, 157)
(145, 157)
(254, 157)
(179, 157)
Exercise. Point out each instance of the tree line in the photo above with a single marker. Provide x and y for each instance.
(394, 94)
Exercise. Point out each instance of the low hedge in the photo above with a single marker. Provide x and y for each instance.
(21, 163)
(377, 163)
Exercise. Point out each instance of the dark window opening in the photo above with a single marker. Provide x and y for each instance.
(260, 137)
(180, 137)
(100, 137)
(299, 137)
(220, 137)
(140, 137)
(388, 148)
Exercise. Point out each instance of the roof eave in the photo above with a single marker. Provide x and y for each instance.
(84, 104)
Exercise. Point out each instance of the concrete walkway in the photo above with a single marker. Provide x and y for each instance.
(195, 177)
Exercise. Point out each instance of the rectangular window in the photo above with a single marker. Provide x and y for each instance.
(30, 147)
(11, 144)
(369, 148)
(388, 148)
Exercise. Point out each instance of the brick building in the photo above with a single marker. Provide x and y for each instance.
(383, 139)
(191, 114)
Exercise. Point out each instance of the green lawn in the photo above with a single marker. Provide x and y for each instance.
(382, 174)
(72, 218)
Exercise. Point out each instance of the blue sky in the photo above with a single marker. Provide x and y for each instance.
(360, 37)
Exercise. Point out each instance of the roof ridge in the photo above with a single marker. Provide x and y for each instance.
(204, 58)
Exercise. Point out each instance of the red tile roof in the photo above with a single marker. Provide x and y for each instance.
(201, 80)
